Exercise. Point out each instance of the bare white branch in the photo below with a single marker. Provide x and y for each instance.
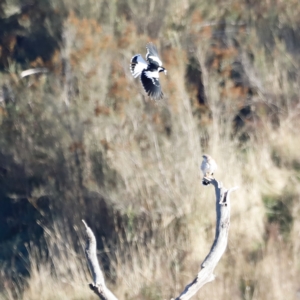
(98, 285)
(205, 274)
(33, 71)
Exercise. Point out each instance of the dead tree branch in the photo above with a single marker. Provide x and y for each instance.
(205, 274)
(98, 285)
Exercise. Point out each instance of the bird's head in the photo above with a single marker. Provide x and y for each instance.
(162, 69)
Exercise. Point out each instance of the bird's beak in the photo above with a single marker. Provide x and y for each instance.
(165, 71)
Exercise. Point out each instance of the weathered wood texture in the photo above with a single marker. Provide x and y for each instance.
(205, 274)
(98, 285)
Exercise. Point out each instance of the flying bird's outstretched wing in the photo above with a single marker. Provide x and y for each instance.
(148, 71)
(151, 84)
(152, 55)
(137, 65)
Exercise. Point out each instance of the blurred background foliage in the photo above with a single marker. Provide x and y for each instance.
(82, 141)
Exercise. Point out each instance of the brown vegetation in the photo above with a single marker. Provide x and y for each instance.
(84, 142)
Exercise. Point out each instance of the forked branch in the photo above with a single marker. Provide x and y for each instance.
(205, 274)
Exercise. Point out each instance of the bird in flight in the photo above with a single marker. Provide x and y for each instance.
(149, 71)
(208, 167)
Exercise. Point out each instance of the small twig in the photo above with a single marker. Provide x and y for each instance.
(33, 71)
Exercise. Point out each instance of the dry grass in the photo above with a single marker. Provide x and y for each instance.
(150, 155)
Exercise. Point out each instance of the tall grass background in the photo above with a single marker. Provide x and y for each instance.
(89, 140)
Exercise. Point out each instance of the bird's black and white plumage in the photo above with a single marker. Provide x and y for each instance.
(149, 71)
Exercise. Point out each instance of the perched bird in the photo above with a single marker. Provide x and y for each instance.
(149, 71)
(208, 167)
